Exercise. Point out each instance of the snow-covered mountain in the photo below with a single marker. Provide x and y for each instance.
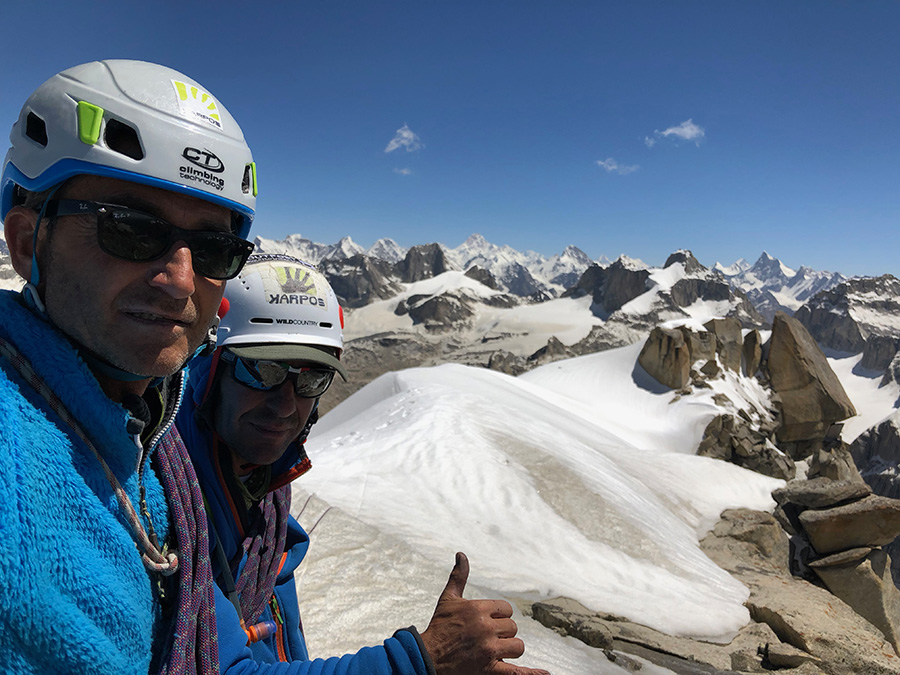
(527, 274)
(524, 274)
(388, 250)
(307, 250)
(772, 286)
(294, 245)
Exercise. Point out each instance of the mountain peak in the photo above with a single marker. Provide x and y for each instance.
(768, 266)
(475, 239)
(686, 258)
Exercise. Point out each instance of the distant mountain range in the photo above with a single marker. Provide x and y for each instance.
(772, 286)
(768, 283)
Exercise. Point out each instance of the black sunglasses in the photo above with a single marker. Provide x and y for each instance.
(133, 235)
(264, 375)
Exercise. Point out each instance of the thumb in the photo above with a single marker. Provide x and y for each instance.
(456, 584)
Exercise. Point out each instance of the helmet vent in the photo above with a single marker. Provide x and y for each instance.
(123, 139)
(326, 324)
(262, 319)
(36, 129)
(245, 182)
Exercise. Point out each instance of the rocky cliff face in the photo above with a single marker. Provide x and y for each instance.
(846, 317)
(359, 280)
(423, 262)
(611, 287)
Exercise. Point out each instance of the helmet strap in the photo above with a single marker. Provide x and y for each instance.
(35, 272)
(209, 344)
(30, 294)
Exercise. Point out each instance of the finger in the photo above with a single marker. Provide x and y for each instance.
(510, 648)
(505, 628)
(501, 668)
(456, 584)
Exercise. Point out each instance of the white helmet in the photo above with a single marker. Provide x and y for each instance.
(136, 121)
(280, 308)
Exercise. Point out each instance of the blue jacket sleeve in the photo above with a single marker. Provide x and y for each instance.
(402, 654)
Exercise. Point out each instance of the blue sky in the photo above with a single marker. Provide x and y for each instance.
(620, 127)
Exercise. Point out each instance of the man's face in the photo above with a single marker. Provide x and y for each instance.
(258, 426)
(144, 317)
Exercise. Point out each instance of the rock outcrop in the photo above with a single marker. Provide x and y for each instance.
(483, 276)
(666, 357)
(669, 354)
(423, 262)
(359, 280)
(436, 312)
(751, 353)
(796, 627)
(812, 398)
(838, 528)
(611, 287)
(732, 439)
(554, 350)
(729, 343)
(879, 351)
(876, 454)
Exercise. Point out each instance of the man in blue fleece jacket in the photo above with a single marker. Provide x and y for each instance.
(126, 198)
(247, 413)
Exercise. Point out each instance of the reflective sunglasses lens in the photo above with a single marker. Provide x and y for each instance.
(270, 373)
(246, 372)
(131, 235)
(313, 383)
(218, 255)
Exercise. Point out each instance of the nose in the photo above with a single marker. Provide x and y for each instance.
(281, 400)
(175, 272)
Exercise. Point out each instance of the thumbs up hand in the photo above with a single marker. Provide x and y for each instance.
(471, 637)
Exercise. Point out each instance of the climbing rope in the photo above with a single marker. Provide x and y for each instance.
(192, 644)
(154, 558)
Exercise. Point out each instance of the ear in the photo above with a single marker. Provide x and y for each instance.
(19, 232)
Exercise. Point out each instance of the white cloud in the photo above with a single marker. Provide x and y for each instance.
(612, 166)
(404, 138)
(686, 131)
(403, 172)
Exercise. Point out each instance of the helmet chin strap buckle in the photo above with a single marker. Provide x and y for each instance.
(209, 344)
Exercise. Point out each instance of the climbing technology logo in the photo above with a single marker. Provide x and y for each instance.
(293, 286)
(204, 158)
(196, 104)
(211, 165)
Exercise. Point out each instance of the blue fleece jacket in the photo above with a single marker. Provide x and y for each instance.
(401, 654)
(74, 594)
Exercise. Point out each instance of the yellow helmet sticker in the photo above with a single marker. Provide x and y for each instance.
(292, 285)
(194, 103)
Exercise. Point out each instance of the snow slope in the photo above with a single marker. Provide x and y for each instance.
(872, 401)
(549, 487)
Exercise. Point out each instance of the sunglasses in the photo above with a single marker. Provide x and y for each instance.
(265, 375)
(141, 237)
